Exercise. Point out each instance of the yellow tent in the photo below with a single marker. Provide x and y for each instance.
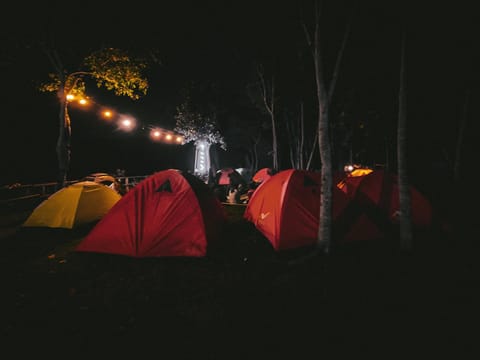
(360, 172)
(356, 172)
(75, 205)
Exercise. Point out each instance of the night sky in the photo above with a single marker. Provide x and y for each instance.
(212, 46)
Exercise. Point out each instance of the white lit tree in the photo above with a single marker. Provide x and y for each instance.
(200, 129)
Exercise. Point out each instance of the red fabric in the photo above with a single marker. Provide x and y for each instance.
(381, 189)
(161, 216)
(262, 175)
(224, 179)
(286, 208)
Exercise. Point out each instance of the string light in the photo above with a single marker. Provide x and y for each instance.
(129, 123)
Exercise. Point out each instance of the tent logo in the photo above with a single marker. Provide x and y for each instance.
(263, 216)
(166, 186)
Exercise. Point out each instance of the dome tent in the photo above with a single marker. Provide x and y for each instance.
(286, 210)
(79, 204)
(170, 213)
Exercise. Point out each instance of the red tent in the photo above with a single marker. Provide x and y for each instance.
(222, 175)
(262, 175)
(170, 213)
(380, 189)
(354, 178)
(286, 210)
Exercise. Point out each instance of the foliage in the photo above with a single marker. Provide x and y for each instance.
(196, 127)
(111, 68)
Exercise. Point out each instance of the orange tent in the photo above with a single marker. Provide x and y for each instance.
(286, 210)
(357, 173)
(262, 175)
(380, 189)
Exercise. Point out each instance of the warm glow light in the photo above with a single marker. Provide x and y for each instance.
(166, 136)
(155, 134)
(107, 113)
(126, 124)
(70, 97)
(83, 101)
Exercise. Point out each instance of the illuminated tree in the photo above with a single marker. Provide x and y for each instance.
(112, 69)
(202, 131)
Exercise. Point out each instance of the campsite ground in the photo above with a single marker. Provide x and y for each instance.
(244, 301)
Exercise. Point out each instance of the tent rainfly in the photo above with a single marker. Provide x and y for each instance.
(78, 204)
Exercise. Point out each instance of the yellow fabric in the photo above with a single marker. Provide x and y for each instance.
(78, 204)
(360, 172)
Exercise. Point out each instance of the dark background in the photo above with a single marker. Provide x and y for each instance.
(212, 45)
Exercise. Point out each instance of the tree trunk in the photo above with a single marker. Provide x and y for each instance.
(336, 70)
(326, 194)
(63, 143)
(324, 98)
(326, 204)
(406, 235)
(274, 130)
(268, 97)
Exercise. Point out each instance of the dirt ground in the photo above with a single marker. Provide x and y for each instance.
(243, 301)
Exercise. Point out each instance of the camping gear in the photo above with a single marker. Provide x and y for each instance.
(222, 176)
(105, 179)
(170, 213)
(78, 204)
(262, 175)
(379, 189)
(229, 176)
(356, 174)
(360, 171)
(286, 208)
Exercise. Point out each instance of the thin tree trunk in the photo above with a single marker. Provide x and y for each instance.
(406, 233)
(326, 203)
(274, 131)
(64, 127)
(269, 102)
(295, 134)
(326, 193)
(292, 142)
(63, 142)
(333, 82)
(324, 238)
